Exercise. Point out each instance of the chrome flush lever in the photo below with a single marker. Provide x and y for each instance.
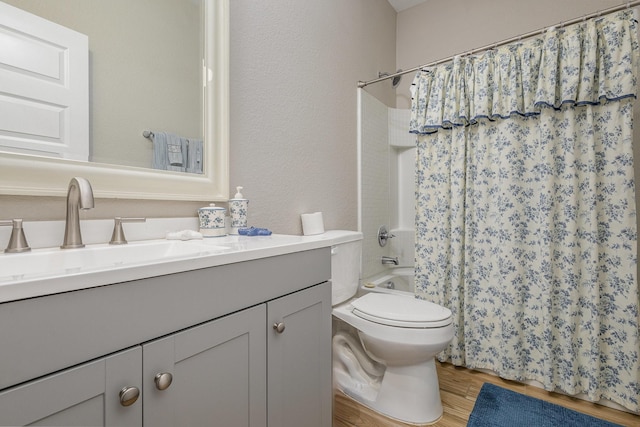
(17, 241)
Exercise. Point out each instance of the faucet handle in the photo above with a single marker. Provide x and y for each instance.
(117, 238)
(384, 236)
(17, 241)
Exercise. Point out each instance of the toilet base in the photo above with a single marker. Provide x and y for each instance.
(410, 393)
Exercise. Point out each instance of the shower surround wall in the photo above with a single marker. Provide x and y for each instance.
(386, 166)
(373, 162)
(402, 156)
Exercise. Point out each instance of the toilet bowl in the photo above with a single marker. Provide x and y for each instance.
(398, 332)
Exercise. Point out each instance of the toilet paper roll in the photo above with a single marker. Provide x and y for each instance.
(312, 223)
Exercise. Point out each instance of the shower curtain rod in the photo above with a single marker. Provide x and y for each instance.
(626, 5)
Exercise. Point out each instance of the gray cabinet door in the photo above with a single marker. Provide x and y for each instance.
(218, 374)
(299, 359)
(87, 395)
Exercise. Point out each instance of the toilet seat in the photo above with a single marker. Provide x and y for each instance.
(401, 311)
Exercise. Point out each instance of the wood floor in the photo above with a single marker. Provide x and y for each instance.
(459, 388)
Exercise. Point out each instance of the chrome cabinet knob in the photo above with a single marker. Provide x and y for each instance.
(278, 327)
(129, 395)
(163, 380)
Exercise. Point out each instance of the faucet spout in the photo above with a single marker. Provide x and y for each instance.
(79, 196)
(389, 260)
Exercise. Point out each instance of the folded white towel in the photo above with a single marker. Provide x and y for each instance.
(184, 235)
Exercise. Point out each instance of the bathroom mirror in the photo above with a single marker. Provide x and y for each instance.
(23, 174)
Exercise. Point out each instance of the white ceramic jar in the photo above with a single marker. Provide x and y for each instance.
(212, 222)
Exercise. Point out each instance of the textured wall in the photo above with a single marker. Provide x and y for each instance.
(294, 68)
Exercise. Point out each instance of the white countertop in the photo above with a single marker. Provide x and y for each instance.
(236, 249)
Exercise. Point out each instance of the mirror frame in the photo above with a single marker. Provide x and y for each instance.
(28, 175)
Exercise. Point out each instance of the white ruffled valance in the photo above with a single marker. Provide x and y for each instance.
(587, 63)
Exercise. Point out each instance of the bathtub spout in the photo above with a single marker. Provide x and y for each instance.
(389, 260)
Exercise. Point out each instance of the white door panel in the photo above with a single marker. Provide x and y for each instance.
(44, 86)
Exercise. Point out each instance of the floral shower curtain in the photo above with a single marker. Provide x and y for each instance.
(525, 208)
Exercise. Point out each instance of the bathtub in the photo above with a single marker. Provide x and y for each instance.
(396, 280)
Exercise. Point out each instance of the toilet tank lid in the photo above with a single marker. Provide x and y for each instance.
(398, 310)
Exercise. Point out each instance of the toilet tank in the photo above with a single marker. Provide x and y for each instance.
(346, 253)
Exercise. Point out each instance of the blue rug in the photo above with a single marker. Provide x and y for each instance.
(499, 407)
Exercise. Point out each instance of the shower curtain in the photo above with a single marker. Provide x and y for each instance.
(525, 208)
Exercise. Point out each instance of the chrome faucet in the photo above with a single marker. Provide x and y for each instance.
(79, 195)
(389, 260)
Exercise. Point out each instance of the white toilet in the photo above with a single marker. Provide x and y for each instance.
(392, 367)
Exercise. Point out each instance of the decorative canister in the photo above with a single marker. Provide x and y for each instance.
(212, 221)
(238, 207)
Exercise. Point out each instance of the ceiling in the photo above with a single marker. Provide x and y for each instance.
(400, 5)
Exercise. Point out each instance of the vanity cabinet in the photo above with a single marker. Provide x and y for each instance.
(245, 344)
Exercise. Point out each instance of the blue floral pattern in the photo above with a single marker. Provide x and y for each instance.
(238, 210)
(526, 212)
(211, 217)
